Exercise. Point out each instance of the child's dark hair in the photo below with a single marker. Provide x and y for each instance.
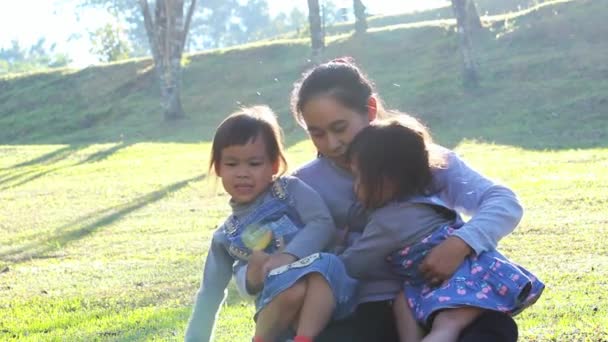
(340, 79)
(396, 152)
(245, 126)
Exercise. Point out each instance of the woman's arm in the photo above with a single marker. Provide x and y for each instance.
(216, 275)
(494, 209)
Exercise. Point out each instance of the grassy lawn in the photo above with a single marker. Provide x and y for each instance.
(109, 245)
(106, 211)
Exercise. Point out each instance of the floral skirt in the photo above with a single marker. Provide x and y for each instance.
(488, 281)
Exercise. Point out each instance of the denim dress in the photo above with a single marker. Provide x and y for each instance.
(271, 226)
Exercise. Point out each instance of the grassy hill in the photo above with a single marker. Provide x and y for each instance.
(540, 71)
(106, 210)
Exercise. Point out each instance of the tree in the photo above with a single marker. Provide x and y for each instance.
(167, 33)
(467, 21)
(330, 14)
(214, 23)
(127, 16)
(317, 39)
(297, 20)
(360, 19)
(110, 43)
(210, 24)
(16, 58)
(255, 19)
(473, 15)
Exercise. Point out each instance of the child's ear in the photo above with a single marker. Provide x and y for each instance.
(275, 167)
(216, 168)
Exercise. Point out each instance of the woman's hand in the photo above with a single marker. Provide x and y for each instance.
(444, 259)
(277, 260)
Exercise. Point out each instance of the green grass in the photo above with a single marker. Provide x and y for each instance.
(112, 249)
(106, 211)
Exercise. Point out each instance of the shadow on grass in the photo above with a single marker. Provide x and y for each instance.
(79, 229)
(13, 176)
(54, 156)
(26, 177)
(16, 176)
(104, 154)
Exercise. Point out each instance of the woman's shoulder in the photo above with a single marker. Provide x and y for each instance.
(445, 159)
(290, 186)
(311, 168)
(287, 181)
(447, 165)
(322, 174)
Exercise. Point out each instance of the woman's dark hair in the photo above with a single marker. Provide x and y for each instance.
(391, 151)
(245, 126)
(341, 79)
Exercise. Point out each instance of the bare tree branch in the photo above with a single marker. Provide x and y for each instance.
(149, 24)
(187, 25)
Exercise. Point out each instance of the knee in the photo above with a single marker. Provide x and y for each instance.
(315, 278)
(293, 296)
(492, 326)
(456, 319)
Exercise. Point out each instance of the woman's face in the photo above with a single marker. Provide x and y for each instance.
(332, 126)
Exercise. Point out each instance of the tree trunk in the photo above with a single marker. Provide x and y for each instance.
(360, 19)
(167, 35)
(473, 16)
(463, 24)
(317, 41)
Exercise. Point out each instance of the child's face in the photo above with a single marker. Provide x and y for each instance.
(376, 199)
(246, 170)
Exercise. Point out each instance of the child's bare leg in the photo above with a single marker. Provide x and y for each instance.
(408, 328)
(279, 314)
(448, 324)
(319, 304)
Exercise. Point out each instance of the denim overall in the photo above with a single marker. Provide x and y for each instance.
(273, 225)
(270, 226)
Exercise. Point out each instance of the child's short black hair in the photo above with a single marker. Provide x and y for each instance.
(391, 151)
(246, 125)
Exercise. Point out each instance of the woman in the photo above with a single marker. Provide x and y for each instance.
(333, 102)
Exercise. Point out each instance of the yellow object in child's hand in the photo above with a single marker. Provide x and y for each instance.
(256, 237)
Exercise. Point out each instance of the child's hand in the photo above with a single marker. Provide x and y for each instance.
(277, 260)
(255, 275)
(444, 259)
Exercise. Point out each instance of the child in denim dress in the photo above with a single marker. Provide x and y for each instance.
(392, 165)
(268, 215)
